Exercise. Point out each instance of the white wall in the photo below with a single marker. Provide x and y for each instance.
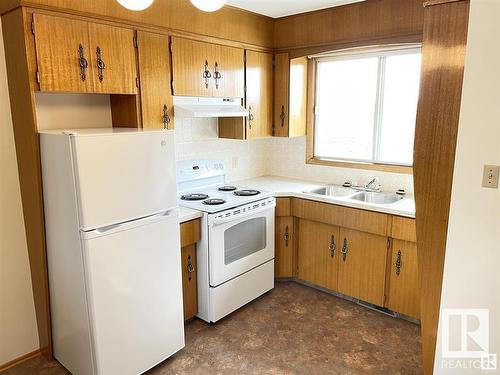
(18, 330)
(472, 265)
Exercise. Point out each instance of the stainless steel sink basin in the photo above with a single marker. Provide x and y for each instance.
(377, 198)
(333, 191)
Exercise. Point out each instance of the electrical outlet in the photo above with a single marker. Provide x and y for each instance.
(490, 176)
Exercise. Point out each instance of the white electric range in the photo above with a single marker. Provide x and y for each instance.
(235, 256)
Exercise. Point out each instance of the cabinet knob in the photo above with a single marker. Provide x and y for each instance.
(82, 61)
(345, 250)
(399, 263)
(100, 64)
(207, 75)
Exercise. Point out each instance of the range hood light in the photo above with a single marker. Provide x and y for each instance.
(208, 5)
(135, 4)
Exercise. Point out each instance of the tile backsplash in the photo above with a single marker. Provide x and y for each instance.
(197, 139)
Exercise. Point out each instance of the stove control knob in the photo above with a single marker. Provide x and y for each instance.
(221, 166)
(216, 166)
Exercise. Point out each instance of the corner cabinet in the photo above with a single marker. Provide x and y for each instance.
(290, 95)
(206, 69)
(84, 57)
(155, 77)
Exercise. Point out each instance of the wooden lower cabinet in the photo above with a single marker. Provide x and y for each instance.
(318, 253)
(284, 247)
(189, 281)
(362, 265)
(404, 291)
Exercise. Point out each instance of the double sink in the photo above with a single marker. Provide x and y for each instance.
(373, 197)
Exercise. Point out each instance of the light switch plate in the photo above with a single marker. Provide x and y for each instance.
(490, 176)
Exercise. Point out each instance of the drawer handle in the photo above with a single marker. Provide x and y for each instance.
(332, 246)
(82, 61)
(207, 75)
(345, 250)
(100, 64)
(190, 268)
(286, 237)
(399, 263)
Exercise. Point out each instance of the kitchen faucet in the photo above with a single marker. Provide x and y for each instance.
(371, 186)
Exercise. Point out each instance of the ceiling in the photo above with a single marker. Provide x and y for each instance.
(281, 8)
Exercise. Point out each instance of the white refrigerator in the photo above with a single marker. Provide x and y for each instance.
(113, 249)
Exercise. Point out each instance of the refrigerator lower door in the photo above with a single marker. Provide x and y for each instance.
(134, 290)
(123, 176)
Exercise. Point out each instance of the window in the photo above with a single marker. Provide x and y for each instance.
(366, 106)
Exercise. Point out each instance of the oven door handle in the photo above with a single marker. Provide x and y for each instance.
(243, 216)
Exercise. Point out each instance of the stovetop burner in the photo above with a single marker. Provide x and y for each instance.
(194, 197)
(246, 193)
(227, 188)
(213, 201)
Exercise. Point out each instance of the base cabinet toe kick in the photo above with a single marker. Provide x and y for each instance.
(365, 255)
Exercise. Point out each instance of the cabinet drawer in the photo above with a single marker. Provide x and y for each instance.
(190, 232)
(283, 206)
(351, 218)
(404, 229)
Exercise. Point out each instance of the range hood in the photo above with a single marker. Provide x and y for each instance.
(193, 107)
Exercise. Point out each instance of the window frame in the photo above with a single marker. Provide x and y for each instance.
(372, 164)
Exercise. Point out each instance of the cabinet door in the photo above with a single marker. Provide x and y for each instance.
(404, 291)
(281, 94)
(154, 73)
(228, 75)
(190, 59)
(298, 97)
(259, 71)
(189, 281)
(284, 247)
(362, 265)
(113, 59)
(63, 54)
(318, 254)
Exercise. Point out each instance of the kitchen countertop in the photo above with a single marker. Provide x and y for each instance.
(187, 214)
(288, 187)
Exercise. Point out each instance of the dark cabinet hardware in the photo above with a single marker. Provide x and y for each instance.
(345, 250)
(189, 268)
(399, 263)
(82, 61)
(332, 246)
(207, 75)
(286, 236)
(250, 117)
(100, 64)
(165, 117)
(217, 75)
(282, 116)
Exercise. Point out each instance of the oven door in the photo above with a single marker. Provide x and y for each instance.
(240, 239)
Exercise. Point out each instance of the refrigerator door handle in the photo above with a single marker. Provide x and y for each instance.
(129, 224)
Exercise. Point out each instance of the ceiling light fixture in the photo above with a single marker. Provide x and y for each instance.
(208, 5)
(135, 4)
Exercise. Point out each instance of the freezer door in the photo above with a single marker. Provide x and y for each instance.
(123, 176)
(134, 290)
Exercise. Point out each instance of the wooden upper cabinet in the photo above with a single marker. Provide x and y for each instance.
(228, 76)
(259, 94)
(362, 265)
(404, 290)
(154, 73)
(205, 69)
(318, 253)
(192, 66)
(113, 59)
(79, 56)
(63, 54)
(290, 96)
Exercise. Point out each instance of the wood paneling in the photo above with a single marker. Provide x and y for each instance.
(365, 221)
(281, 94)
(404, 292)
(190, 232)
(15, 27)
(125, 111)
(362, 269)
(284, 259)
(283, 206)
(404, 228)
(443, 56)
(259, 93)
(232, 128)
(118, 53)
(180, 15)
(154, 73)
(189, 281)
(317, 263)
(58, 57)
(370, 22)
